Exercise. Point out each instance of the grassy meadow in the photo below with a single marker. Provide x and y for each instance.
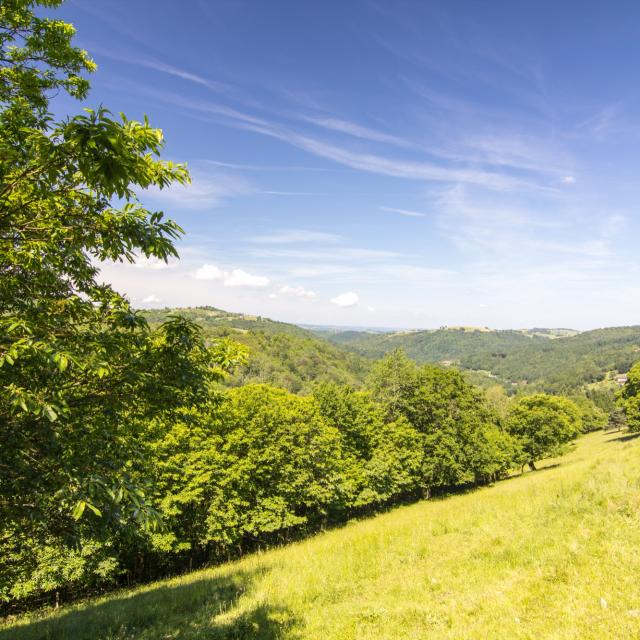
(550, 554)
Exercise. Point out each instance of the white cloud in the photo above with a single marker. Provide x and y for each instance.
(142, 262)
(298, 291)
(290, 236)
(349, 299)
(404, 212)
(233, 278)
(240, 278)
(151, 299)
(568, 180)
(208, 272)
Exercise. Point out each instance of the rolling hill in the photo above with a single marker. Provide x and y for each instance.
(553, 360)
(281, 354)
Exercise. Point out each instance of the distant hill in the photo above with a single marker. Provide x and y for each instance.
(293, 357)
(212, 318)
(550, 359)
(281, 354)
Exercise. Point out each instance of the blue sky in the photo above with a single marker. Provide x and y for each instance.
(404, 164)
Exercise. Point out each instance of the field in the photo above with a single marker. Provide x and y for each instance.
(550, 554)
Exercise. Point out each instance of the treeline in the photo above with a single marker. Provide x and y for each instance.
(253, 465)
(552, 365)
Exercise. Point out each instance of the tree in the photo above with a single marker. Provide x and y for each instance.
(381, 458)
(629, 398)
(80, 370)
(461, 439)
(593, 418)
(498, 400)
(282, 464)
(543, 425)
(617, 420)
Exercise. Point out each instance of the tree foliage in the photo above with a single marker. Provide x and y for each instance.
(629, 399)
(543, 425)
(79, 369)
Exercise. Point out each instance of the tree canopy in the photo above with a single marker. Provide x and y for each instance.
(543, 425)
(630, 398)
(79, 368)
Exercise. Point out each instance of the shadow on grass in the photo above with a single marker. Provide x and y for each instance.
(209, 608)
(625, 437)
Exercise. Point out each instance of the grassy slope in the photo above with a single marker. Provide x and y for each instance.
(550, 554)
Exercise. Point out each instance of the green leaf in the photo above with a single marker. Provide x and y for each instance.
(94, 509)
(78, 510)
(50, 413)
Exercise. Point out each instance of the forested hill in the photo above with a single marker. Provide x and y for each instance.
(550, 359)
(280, 354)
(226, 322)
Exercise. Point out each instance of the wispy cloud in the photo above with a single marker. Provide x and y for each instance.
(357, 130)
(404, 212)
(347, 253)
(263, 167)
(149, 62)
(424, 170)
(524, 232)
(169, 69)
(294, 236)
(206, 190)
(290, 193)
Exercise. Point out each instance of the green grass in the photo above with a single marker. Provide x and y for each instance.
(551, 554)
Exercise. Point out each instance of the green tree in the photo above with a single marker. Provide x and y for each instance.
(629, 398)
(381, 458)
(617, 420)
(80, 371)
(543, 425)
(282, 464)
(461, 439)
(592, 416)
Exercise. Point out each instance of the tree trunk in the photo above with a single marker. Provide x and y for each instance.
(532, 465)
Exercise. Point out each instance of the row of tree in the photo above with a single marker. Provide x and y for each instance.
(209, 477)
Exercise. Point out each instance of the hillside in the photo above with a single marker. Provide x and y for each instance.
(553, 553)
(548, 359)
(280, 354)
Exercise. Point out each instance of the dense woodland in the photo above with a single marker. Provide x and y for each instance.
(281, 354)
(545, 362)
(136, 445)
